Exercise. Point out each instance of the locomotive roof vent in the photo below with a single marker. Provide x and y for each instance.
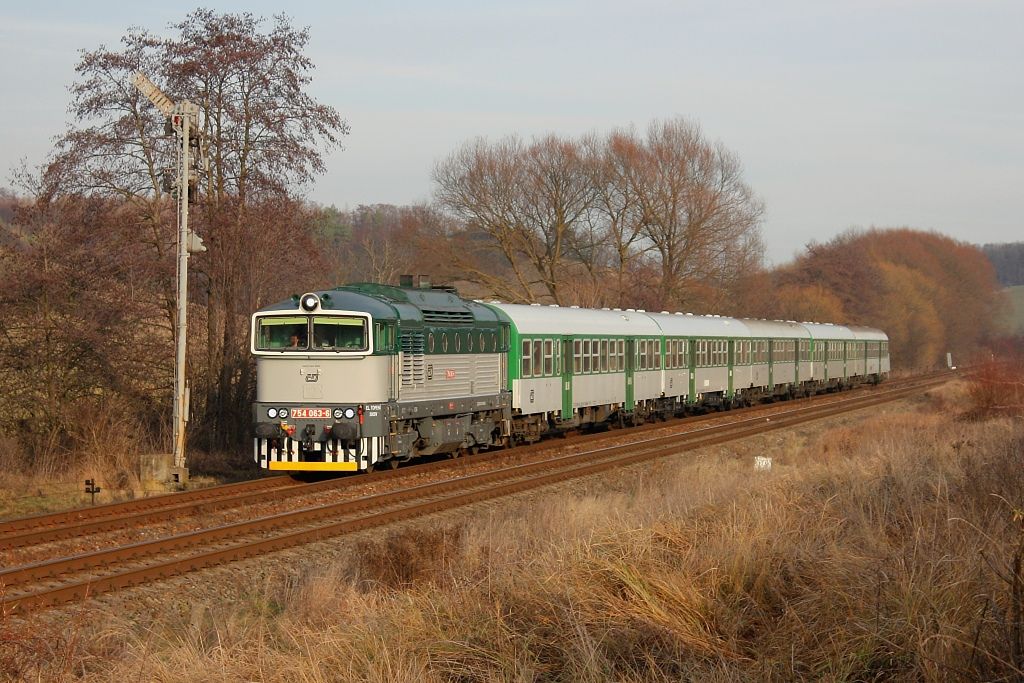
(310, 302)
(440, 316)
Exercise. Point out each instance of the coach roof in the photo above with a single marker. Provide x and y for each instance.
(574, 321)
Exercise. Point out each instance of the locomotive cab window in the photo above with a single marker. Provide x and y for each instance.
(280, 334)
(339, 333)
(291, 333)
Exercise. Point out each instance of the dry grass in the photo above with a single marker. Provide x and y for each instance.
(886, 549)
(101, 444)
(997, 386)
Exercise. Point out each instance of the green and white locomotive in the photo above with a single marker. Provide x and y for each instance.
(366, 374)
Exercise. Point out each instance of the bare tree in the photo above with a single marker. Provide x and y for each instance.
(616, 217)
(265, 136)
(530, 200)
(699, 215)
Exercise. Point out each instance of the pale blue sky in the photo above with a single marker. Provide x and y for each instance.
(844, 113)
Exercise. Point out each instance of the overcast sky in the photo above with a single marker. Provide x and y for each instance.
(903, 112)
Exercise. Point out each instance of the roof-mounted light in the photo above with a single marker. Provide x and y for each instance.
(310, 302)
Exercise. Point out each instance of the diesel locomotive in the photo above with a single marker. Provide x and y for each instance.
(371, 375)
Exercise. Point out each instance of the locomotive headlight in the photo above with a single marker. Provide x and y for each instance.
(349, 413)
(282, 413)
(271, 413)
(310, 302)
(338, 412)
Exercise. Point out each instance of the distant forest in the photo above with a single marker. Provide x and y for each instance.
(1008, 260)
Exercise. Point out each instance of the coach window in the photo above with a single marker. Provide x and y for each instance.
(577, 356)
(538, 357)
(595, 356)
(527, 359)
(549, 357)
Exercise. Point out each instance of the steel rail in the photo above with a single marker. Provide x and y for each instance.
(529, 475)
(80, 515)
(45, 528)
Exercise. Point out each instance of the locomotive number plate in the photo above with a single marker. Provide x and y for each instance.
(314, 413)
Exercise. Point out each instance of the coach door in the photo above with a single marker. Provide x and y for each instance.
(630, 362)
(567, 361)
(731, 360)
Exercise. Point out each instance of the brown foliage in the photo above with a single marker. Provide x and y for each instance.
(930, 293)
(82, 319)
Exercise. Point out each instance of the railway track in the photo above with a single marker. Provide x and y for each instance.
(66, 579)
(81, 522)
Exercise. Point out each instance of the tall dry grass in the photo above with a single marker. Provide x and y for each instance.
(100, 440)
(996, 386)
(888, 548)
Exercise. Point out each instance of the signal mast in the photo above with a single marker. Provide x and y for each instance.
(183, 119)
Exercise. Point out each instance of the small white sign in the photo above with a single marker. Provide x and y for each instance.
(762, 463)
